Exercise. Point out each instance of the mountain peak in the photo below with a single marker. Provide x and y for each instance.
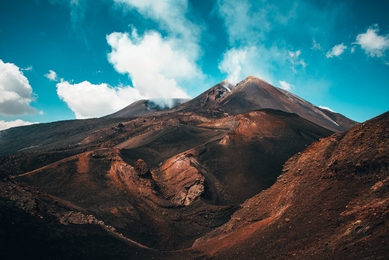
(250, 77)
(254, 93)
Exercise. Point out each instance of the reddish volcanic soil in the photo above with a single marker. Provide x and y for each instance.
(231, 174)
(166, 188)
(331, 202)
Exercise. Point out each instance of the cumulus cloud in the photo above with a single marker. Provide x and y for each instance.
(159, 65)
(15, 91)
(372, 43)
(336, 51)
(88, 100)
(155, 64)
(285, 85)
(51, 75)
(18, 122)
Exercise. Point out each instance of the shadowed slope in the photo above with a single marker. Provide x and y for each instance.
(331, 202)
(102, 184)
(165, 188)
(35, 225)
(59, 135)
(249, 158)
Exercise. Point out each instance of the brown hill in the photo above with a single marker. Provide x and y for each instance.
(147, 107)
(164, 184)
(254, 93)
(35, 225)
(165, 188)
(331, 202)
(218, 102)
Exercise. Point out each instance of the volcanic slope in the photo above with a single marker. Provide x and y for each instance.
(147, 107)
(161, 180)
(35, 225)
(331, 202)
(219, 101)
(166, 188)
(254, 93)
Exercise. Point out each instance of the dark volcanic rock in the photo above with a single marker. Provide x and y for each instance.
(35, 225)
(331, 202)
(141, 168)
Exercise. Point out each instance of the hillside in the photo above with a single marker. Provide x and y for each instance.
(330, 202)
(213, 167)
(205, 179)
(254, 93)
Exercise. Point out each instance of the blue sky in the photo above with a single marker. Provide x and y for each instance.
(66, 59)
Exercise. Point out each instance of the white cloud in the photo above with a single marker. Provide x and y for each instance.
(238, 63)
(285, 85)
(15, 91)
(373, 44)
(88, 100)
(233, 62)
(155, 64)
(18, 122)
(51, 75)
(336, 51)
(327, 108)
(294, 55)
(29, 68)
(159, 65)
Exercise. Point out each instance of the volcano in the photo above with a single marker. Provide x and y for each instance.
(247, 170)
(254, 93)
